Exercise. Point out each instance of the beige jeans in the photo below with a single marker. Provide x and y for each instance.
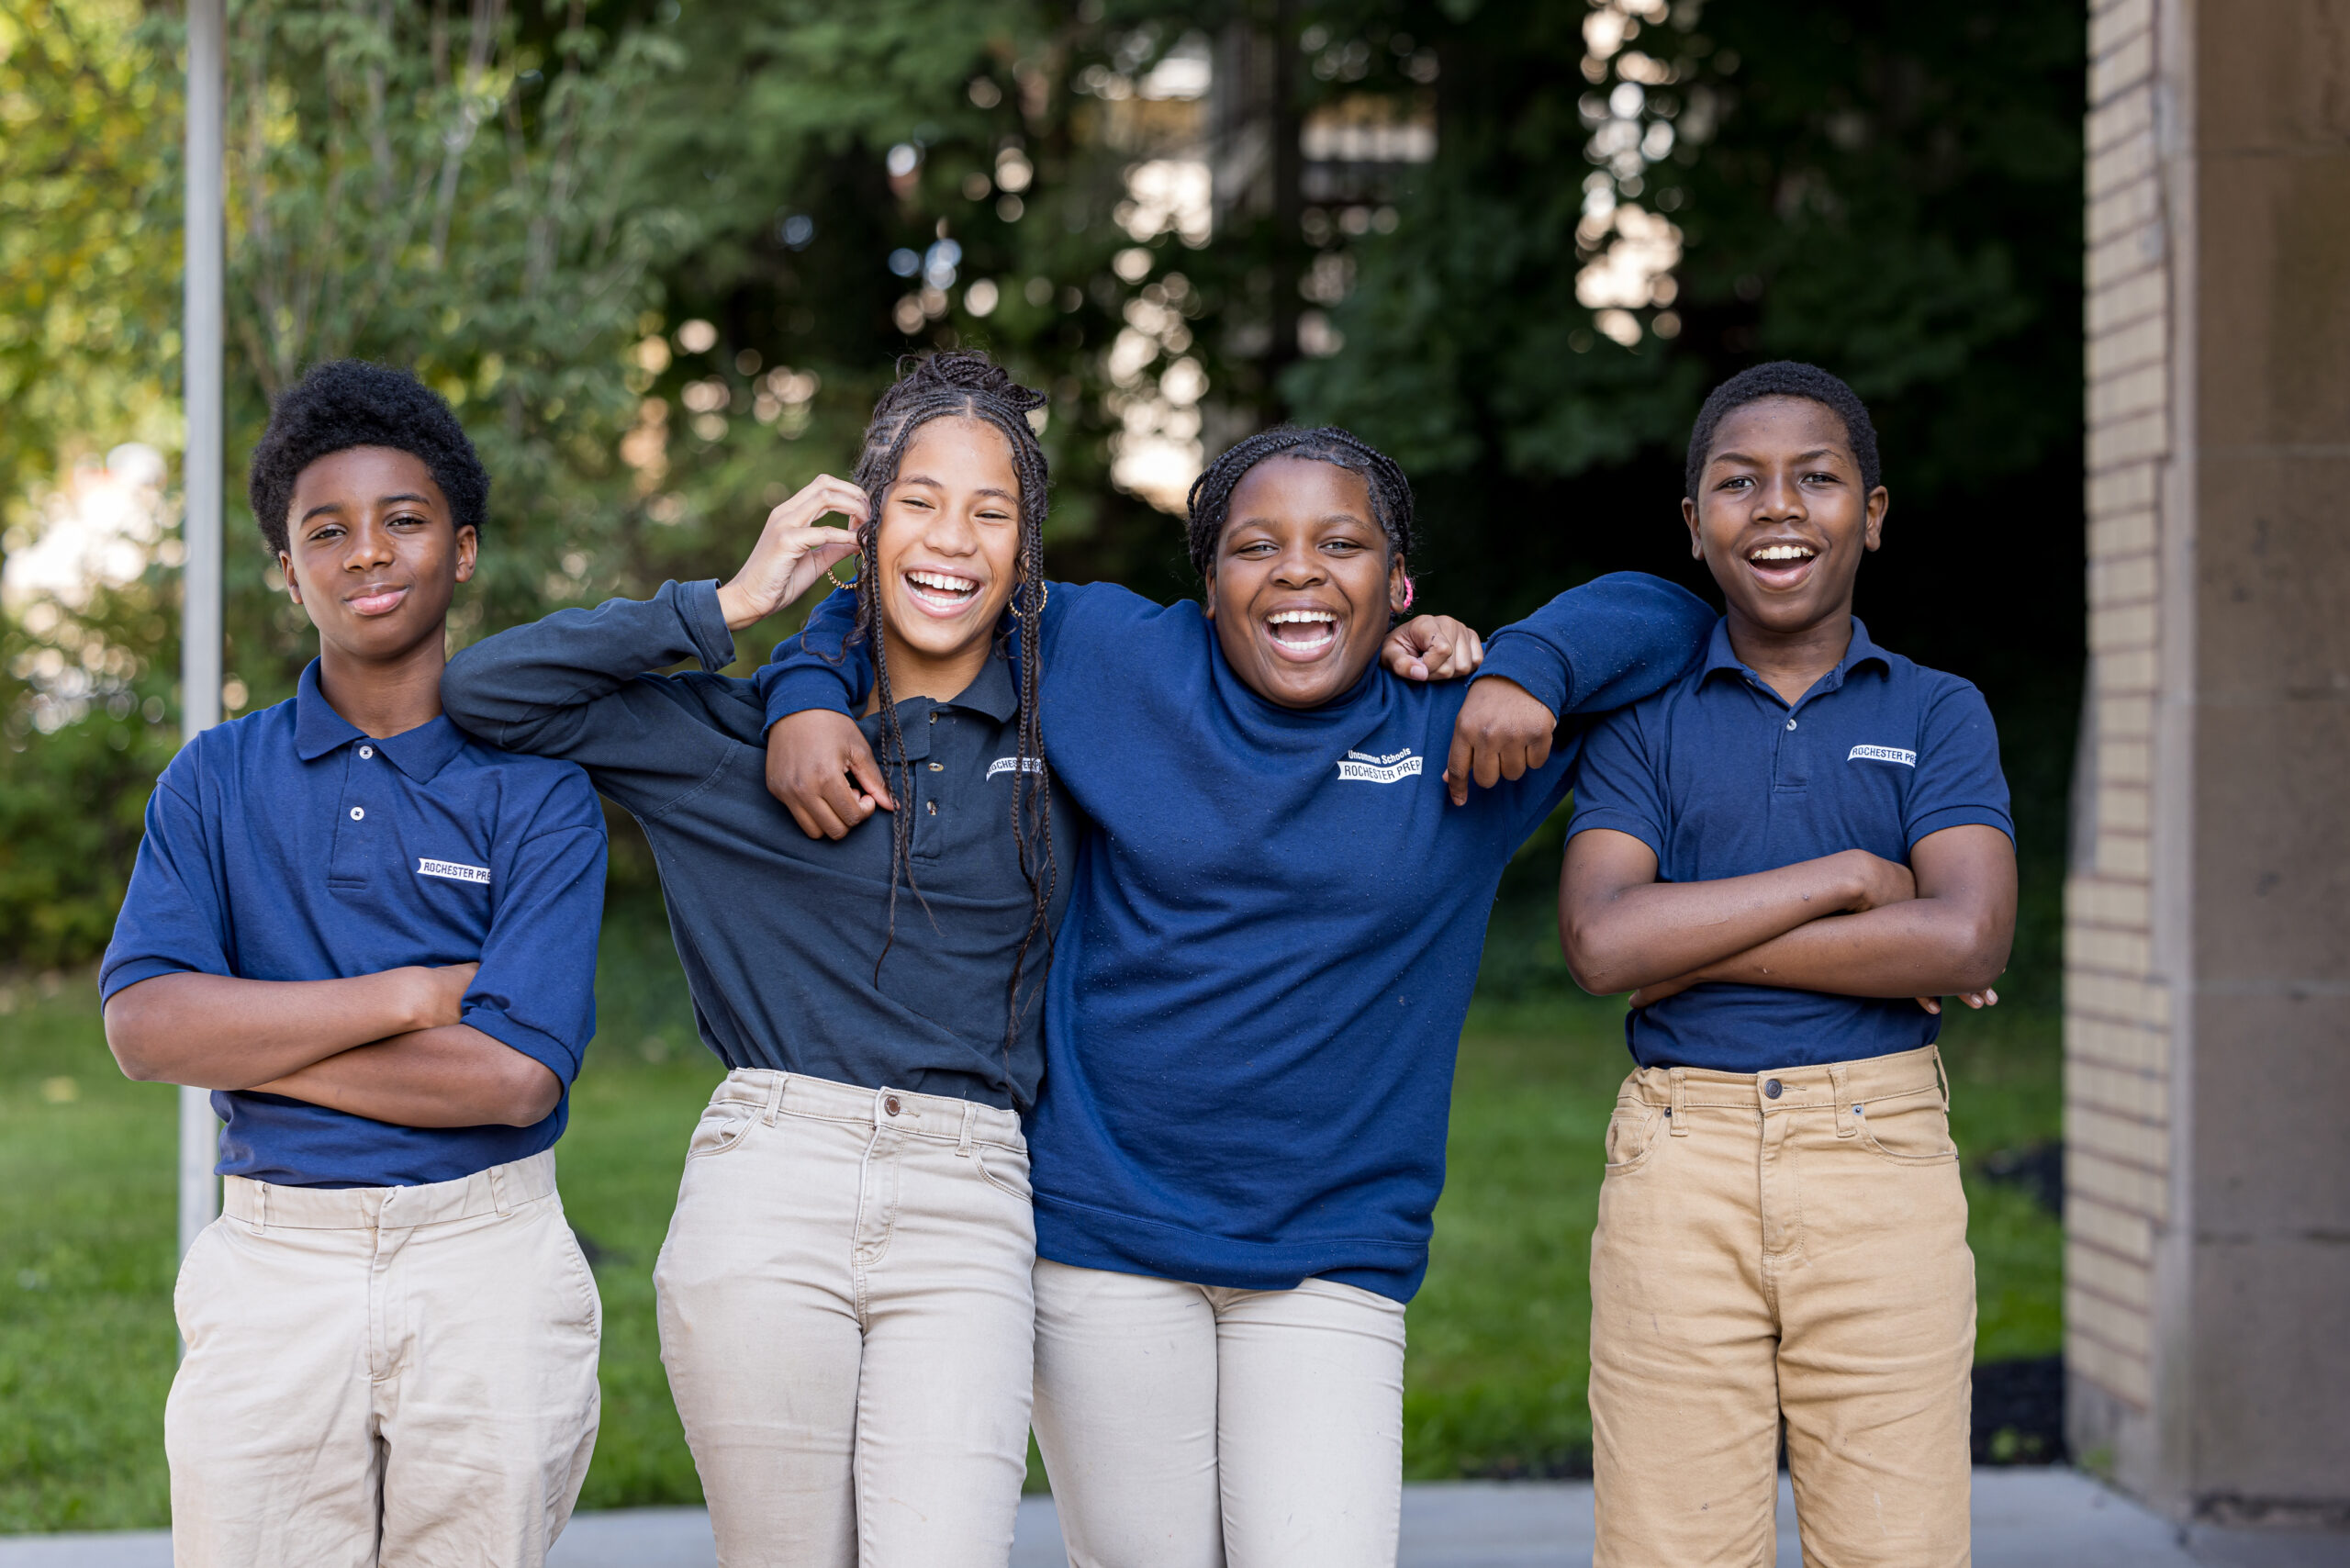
(383, 1375)
(1789, 1244)
(846, 1318)
(1194, 1427)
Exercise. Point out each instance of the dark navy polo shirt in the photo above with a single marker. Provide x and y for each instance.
(1721, 777)
(782, 937)
(287, 845)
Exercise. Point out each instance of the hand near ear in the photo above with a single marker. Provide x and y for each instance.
(792, 551)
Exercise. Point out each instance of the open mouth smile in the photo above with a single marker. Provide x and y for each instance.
(1783, 563)
(941, 594)
(1301, 634)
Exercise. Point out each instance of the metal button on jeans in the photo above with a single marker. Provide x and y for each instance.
(1770, 1089)
(890, 1105)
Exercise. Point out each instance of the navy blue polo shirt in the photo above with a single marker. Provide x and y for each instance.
(287, 845)
(1721, 777)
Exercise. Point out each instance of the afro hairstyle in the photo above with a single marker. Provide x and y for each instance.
(1784, 378)
(345, 403)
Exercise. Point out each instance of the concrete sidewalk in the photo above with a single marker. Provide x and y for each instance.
(2024, 1518)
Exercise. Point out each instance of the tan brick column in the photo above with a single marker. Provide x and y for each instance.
(2207, 1028)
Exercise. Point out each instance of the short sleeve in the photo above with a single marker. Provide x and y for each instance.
(536, 988)
(1959, 779)
(174, 913)
(1617, 784)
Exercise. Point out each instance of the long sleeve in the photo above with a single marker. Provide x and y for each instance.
(1604, 645)
(818, 666)
(575, 686)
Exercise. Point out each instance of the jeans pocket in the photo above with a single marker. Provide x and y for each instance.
(722, 1126)
(1003, 1168)
(1911, 1130)
(1632, 1133)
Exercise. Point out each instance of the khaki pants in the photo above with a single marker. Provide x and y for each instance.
(383, 1375)
(1197, 1426)
(1782, 1244)
(848, 1321)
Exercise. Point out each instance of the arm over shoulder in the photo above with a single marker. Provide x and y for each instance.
(1611, 642)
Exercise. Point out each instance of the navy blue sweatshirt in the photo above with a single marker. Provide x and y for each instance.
(1257, 994)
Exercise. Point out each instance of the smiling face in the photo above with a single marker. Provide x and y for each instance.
(947, 553)
(1780, 518)
(1302, 581)
(373, 553)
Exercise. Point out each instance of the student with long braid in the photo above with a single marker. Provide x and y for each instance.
(845, 1295)
(1250, 1022)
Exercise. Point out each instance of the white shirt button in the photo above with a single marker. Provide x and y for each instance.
(358, 812)
(1791, 724)
(365, 751)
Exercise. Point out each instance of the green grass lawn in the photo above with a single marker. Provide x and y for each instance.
(1498, 1337)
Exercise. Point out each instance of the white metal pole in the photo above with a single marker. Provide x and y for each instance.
(200, 351)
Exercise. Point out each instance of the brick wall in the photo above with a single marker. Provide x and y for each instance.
(2117, 1007)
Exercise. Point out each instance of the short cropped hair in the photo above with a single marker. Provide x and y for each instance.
(345, 403)
(1784, 378)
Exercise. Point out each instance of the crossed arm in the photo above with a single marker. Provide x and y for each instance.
(1941, 925)
(388, 1046)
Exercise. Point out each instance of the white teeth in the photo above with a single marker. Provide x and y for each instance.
(942, 582)
(1299, 617)
(1783, 553)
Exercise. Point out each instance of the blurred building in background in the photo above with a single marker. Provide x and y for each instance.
(2208, 931)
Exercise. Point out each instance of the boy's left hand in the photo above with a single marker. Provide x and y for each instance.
(1504, 731)
(1433, 647)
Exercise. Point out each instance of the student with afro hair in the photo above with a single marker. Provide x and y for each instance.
(1787, 856)
(373, 938)
(1279, 900)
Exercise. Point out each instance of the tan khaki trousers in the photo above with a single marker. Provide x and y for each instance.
(1191, 1426)
(848, 1320)
(383, 1376)
(1782, 1244)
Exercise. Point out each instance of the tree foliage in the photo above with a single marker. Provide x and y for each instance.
(662, 254)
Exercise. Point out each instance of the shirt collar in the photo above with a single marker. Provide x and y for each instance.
(991, 691)
(317, 729)
(1719, 655)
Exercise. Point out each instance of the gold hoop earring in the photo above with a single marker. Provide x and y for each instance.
(1044, 592)
(834, 572)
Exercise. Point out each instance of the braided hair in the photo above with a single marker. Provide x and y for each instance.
(1784, 378)
(1211, 497)
(965, 385)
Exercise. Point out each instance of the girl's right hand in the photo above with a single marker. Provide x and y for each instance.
(792, 551)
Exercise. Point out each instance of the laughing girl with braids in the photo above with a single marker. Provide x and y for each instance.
(845, 1304)
(1250, 1021)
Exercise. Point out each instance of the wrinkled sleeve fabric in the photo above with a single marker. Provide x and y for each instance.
(536, 987)
(1604, 645)
(174, 916)
(1616, 783)
(818, 667)
(1959, 780)
(569, 686)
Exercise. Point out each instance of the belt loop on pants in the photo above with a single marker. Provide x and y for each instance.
(1678, 1113)
(963, 1144)
(497, 1190)
(1845, 1126)
(777, 1086)
(1942, 1076)
(261, 1208)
